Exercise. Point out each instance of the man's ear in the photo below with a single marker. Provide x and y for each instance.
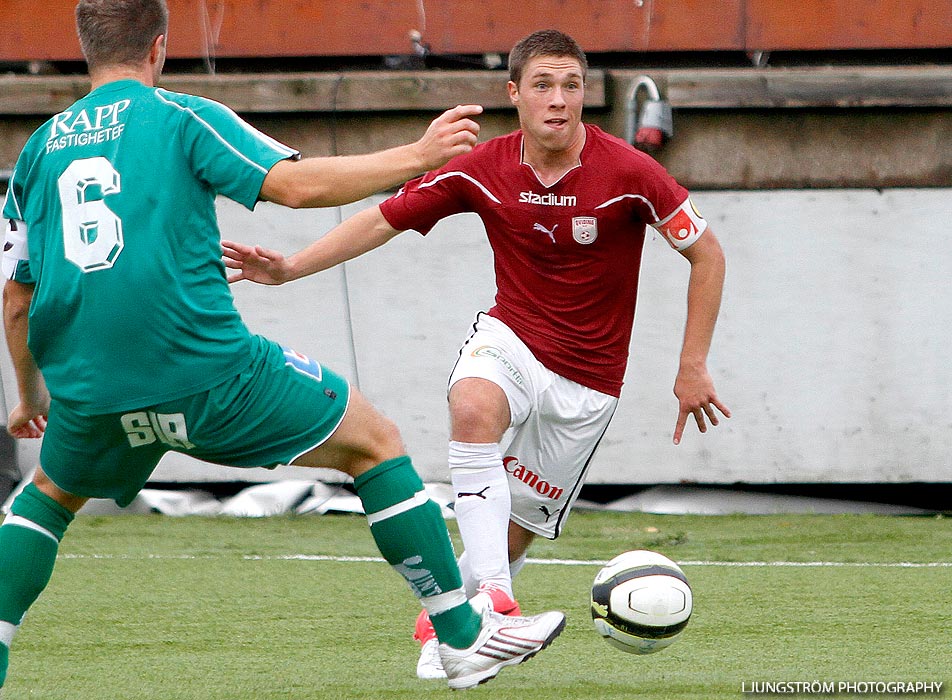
(513, 92)
(157, 50)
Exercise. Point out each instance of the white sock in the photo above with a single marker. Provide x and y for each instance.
(483, 505)
(471, 585)
(7, 630)
(516, 566)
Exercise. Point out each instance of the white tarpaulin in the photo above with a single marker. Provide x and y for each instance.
(318, 498)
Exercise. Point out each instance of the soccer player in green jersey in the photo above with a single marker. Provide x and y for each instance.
(126, 343)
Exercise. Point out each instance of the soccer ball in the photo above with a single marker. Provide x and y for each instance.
(641, 602)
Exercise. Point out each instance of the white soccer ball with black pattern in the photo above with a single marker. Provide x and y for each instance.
(641, 602)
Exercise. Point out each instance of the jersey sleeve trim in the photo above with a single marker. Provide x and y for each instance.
(465, 176)
(11, 206)
(639, 197)
(276, 145)
(418, 207)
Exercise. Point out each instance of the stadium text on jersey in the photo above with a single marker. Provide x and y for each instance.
(563, 200)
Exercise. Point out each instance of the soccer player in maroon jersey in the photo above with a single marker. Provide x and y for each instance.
(565, 206)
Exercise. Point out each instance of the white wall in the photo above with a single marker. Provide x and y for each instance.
(831, 349)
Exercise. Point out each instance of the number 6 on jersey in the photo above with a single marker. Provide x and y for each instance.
(92, 233)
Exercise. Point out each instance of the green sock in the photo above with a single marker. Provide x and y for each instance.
(411, 534)
(29, 540)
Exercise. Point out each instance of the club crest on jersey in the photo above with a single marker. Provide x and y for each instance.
(584, 229)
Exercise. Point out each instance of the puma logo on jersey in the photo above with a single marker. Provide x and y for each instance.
(543, 229)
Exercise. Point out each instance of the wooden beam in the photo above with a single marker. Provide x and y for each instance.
(402, 91)
(358, 91)
(762, 88)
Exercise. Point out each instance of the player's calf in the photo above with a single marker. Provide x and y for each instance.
(29, 540)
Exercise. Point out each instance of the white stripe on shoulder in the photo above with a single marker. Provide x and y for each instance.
(465, 176)
(11, 197)
(630, 196)
(211, 129)
(273, 142)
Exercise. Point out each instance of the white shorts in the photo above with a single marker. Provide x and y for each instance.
(556, 424)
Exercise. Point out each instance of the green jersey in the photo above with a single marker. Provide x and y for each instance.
(131, 305)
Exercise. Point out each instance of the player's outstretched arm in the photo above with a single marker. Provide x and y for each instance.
(694, 387)
(332, 181)
(355, 236)
(28, 417)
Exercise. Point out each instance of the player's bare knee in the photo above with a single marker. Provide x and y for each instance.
(477, 419)
(64, 498)
(389, 442)
(368, 432)
(380, 442)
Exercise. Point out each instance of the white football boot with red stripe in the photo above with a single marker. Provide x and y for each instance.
(430, 666)
(503, 641)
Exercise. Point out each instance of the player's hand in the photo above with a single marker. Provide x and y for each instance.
(694, 389)
(451, 134)
(255, 263)
(27, 421)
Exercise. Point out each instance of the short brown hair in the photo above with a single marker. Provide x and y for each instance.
(119, 32)
(546, 42)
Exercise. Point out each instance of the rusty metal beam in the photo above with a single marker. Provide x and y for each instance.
(292, 28)
(807, 25)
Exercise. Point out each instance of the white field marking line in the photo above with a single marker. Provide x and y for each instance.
(549, 562)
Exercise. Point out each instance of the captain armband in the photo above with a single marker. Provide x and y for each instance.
(684, 226)
(15, 248)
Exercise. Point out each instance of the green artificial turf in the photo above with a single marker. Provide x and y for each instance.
(152, 607)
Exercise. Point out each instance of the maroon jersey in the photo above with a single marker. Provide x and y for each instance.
(567, 257)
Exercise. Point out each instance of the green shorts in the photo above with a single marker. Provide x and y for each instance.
(280, 407)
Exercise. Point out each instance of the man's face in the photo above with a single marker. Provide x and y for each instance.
(549, 100)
